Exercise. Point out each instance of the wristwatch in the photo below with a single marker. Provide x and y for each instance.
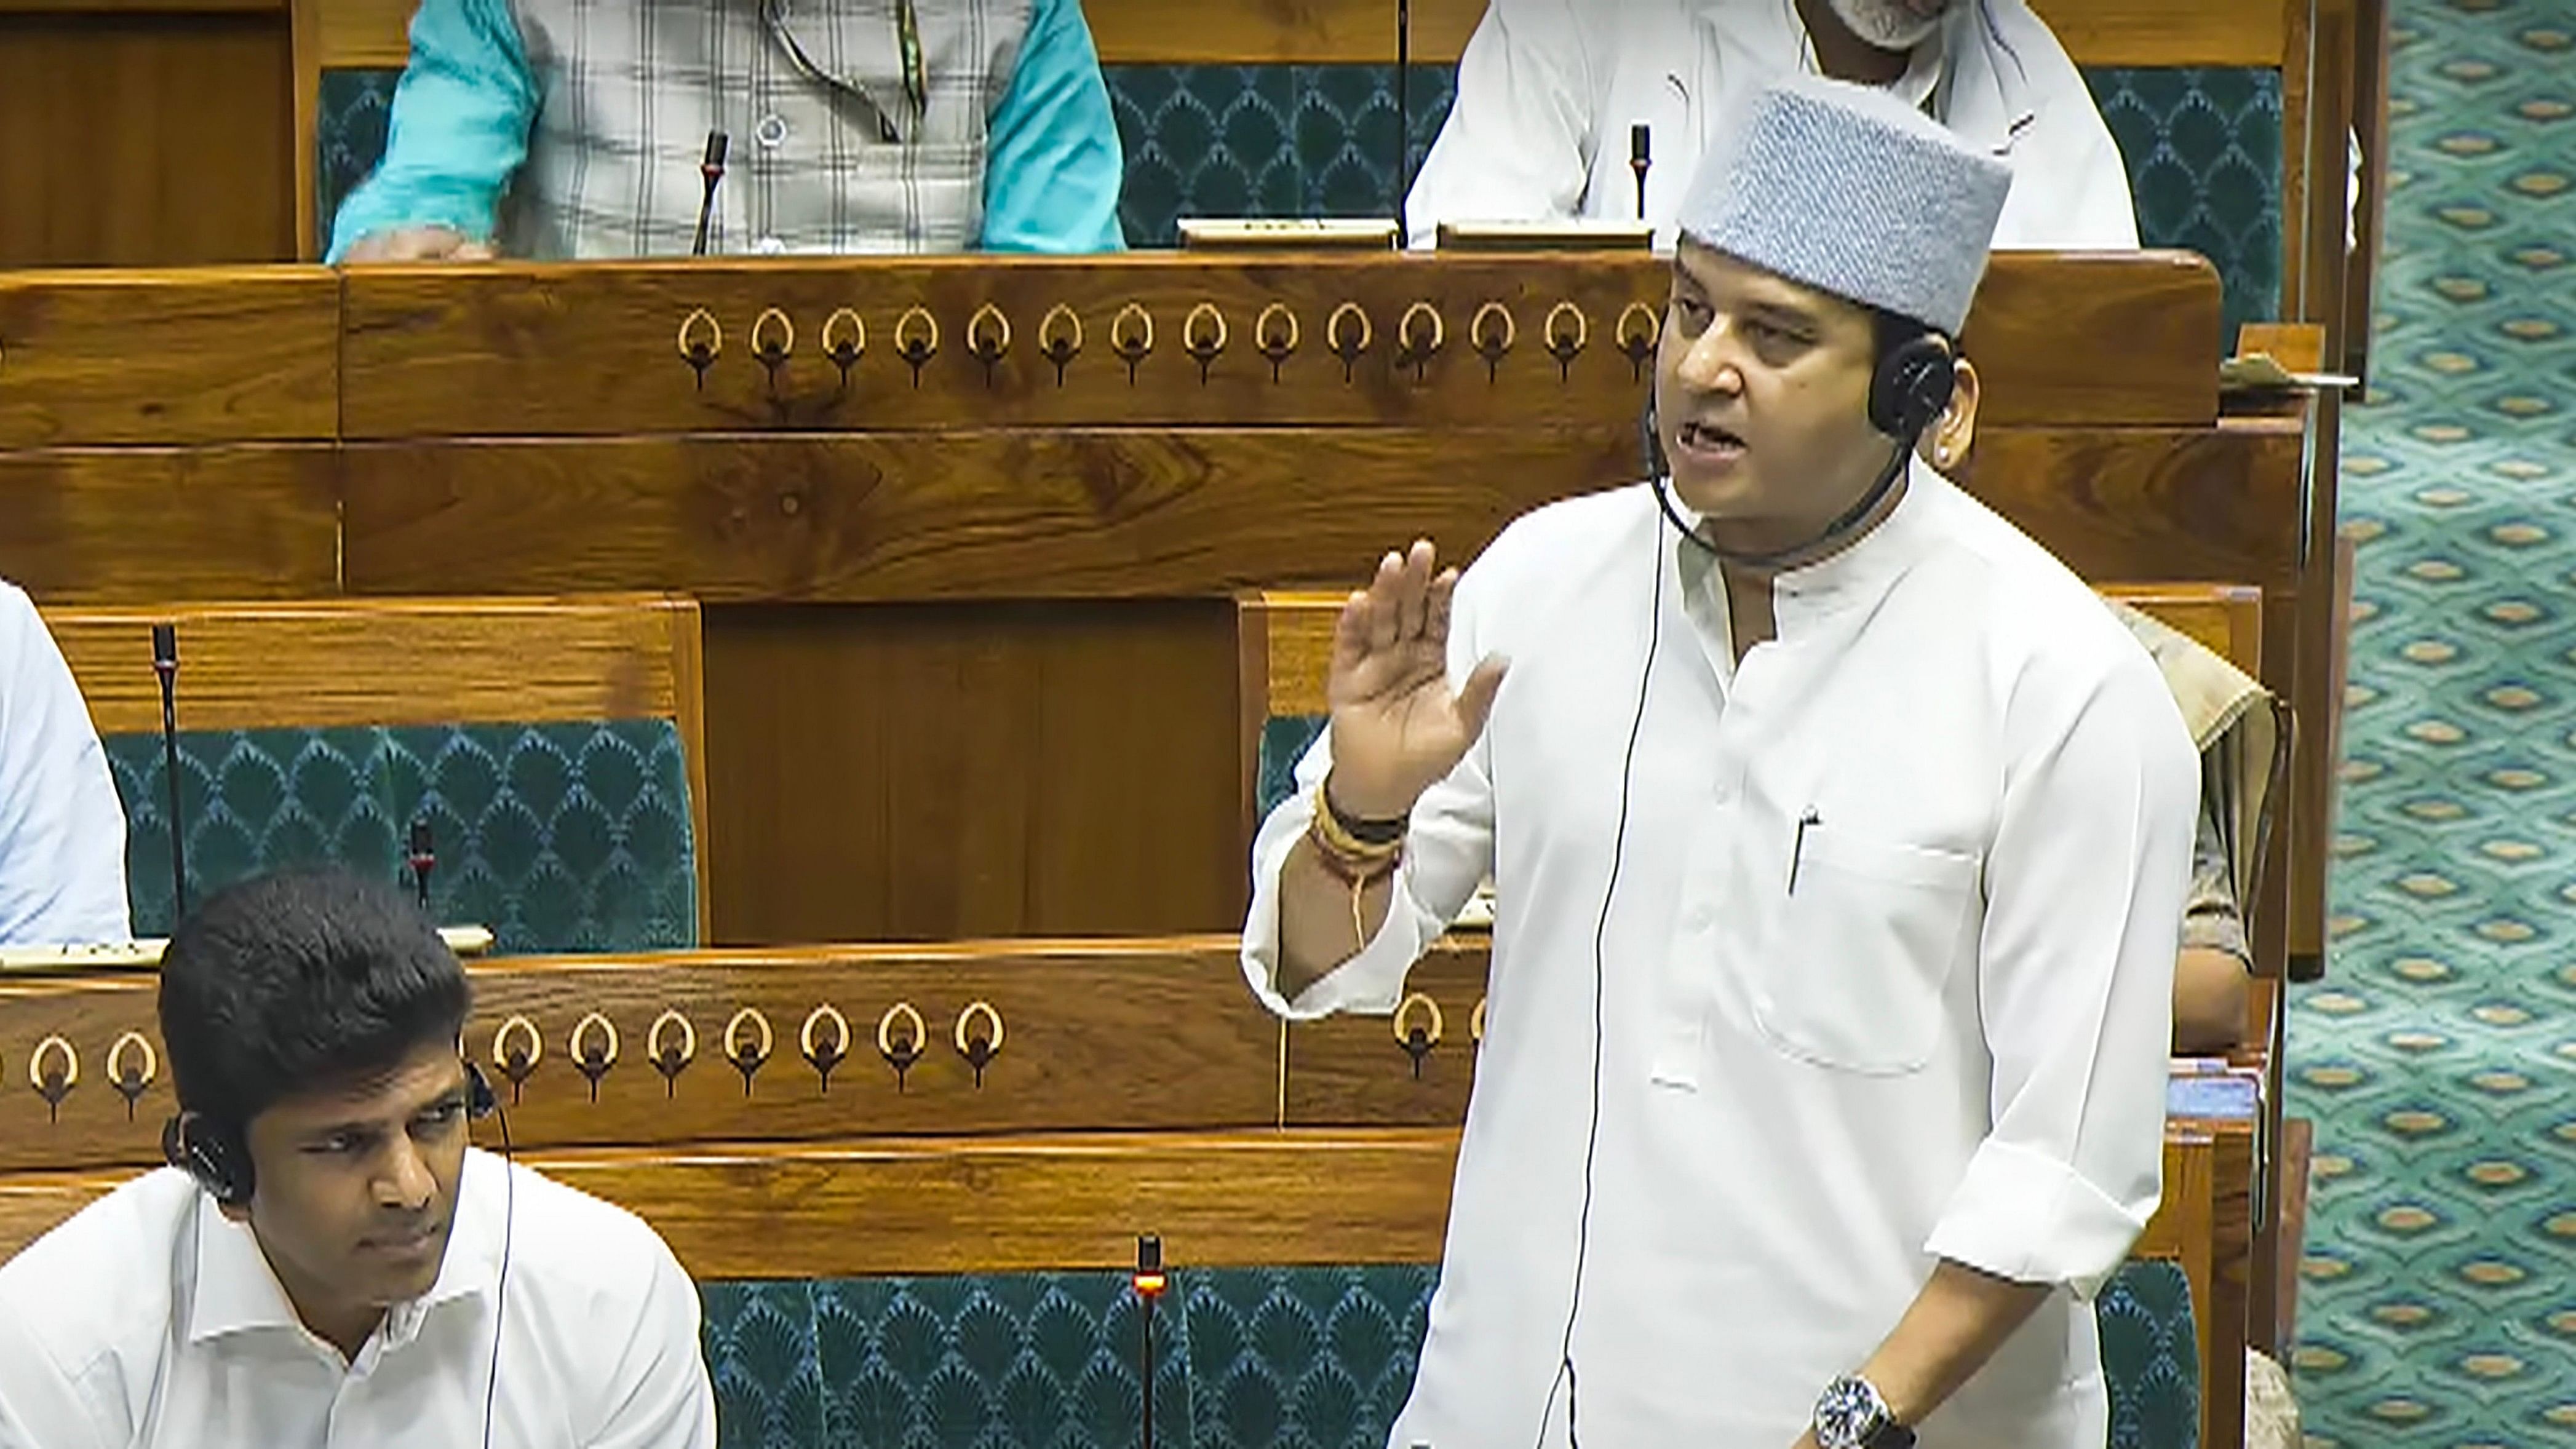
(1852, 1415)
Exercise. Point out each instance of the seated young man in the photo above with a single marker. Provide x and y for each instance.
(326, 1261)
(560, 128)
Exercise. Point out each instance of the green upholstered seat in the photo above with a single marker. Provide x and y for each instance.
(568, 836)
(1246, 1358)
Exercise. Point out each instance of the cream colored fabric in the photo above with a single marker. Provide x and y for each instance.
(2271, 1414)
(2236, 725)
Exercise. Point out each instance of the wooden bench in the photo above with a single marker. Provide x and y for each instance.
(745, 1102)
(948, 621)
(382, 682)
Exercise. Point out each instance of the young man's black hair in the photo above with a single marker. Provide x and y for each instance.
(303, 979)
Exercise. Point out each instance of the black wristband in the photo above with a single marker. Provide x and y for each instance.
(1366, 832)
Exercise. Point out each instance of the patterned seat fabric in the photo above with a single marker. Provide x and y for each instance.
(2150, 1357)
(2203, 148)
(560, 837)
(2204, 154)
(1246, 1358)
(1265, 140)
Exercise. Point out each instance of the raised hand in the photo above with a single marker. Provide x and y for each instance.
(1397, 726)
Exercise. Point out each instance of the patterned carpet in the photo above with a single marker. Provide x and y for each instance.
(2438, 1309)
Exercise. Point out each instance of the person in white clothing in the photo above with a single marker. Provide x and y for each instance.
(1839, 838)
(1548, 91)
(325, 1262)
(62, 828)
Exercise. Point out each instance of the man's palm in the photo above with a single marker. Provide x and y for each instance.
(1397, 726)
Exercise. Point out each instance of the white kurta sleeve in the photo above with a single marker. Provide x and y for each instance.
(1448, 852)
(62, 827)
(1518, 142)
(2084, 886)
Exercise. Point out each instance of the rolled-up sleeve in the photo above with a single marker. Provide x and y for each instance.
(1054, 167)
(2084, 884)
(459, 127)
(1448, 852)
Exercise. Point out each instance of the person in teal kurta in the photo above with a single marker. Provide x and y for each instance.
(572, 128)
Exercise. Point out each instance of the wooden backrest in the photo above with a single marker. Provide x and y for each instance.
(2226, 619)
(1287, 635)
(329, 663)
(343, 661)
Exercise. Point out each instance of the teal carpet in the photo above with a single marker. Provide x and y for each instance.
(2438, 1307)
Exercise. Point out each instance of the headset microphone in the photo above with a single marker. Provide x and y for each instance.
(1910, 389)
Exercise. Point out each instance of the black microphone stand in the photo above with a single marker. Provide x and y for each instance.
(423, 858)
(1641, 157)
(165, 664)
(1403, 117)
(1150, 1281)
(712, 171)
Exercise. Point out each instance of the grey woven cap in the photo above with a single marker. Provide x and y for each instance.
(1851, 191)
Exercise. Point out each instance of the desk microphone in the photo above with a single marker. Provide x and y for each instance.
(1403, 116)
(1150, 1281)
(423, 858)
(1641, 158)
(165, 663)
(712, 170)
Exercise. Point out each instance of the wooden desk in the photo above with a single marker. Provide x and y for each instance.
(746, 1104)
(970, 640)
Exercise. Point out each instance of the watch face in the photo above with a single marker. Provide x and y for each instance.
(1848, 1414)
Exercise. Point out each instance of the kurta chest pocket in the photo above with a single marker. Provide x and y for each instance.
(1854, 971)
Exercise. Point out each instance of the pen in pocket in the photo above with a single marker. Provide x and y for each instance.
(1798, 846)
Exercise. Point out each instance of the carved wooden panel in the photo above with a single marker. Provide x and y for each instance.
(976, 341)
(737, 1046)
(1412, 1069)
(1406, 340)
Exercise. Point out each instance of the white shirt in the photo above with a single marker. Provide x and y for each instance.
(62, 827)
(1949, 1041)
(151, 1321)
(1547, 91)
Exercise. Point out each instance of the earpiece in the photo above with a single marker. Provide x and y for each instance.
(1650, 440)
(480, 1101)
(1912, 388)
(220, 1161)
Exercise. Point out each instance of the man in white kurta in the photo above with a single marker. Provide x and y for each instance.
(1548, 89)
(1818, 967)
